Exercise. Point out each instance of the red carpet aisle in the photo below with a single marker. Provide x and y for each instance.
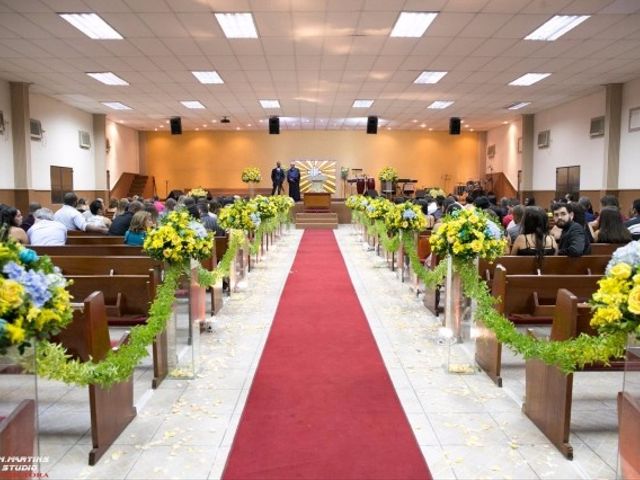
(322, 405)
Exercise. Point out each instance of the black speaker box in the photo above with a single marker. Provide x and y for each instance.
(274, 125)
(454, 126)
(176, 126)
(372, 125)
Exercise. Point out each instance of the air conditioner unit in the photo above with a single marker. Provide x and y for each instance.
(36, 129)
(543, 138)
(597, 127)
(491, 151)
(84, 139)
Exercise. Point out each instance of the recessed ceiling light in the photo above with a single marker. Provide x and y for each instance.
(362, 103)
(555, 27)
(270, 103)
(248, 124)
(237, 128)
(117, 105)
(166, 121)
(412, 24)
(204, 125)
(517, 105)
(430, 77)
(431, 129)
(214, 121)
(197, 129)
(414, 120)
(237, 25)
(529, 79)
(422, 125)
(155, 129)
(440, 104)
(505, 123)
(472, 130)
(92, 25)
(108, 78)
(208, 77)
(193, 104)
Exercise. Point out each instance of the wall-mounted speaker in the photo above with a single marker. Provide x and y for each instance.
(274, 125)
(454, 126)
(176, 126)
(372, 125)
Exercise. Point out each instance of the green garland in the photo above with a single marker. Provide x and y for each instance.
(568, 355)
(390, 244)
(208, 278)
(53, 361)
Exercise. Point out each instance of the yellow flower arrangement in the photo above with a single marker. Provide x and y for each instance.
(265, 207)
(34, 302)
(358, 203)
(251, 175)
(616, 304)
(436, 192)
(197, 192)
(378, 208)
(388, 174)
(240, 215)
(465, 234)
(405, 217)
(178, 238)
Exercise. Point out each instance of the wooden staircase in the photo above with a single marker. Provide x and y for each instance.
(317, 220)
(138, 185)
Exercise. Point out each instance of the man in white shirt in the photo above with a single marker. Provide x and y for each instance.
(45, 230)
(72, 219)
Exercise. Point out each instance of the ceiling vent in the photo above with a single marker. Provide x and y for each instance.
(544, 138)
(597, 127)
(36, 129)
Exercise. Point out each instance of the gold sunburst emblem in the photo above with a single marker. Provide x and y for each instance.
(312, 168)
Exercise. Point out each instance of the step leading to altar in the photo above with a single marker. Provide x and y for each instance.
(317, 220)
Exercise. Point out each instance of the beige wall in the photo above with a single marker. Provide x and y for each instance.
(216, 159)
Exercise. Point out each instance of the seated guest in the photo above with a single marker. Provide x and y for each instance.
(611, 230)
(633, 224)
(573, 239)
(123, 204)
(482, 203)
(29, 220)
(121, 223)
(81, 205)
(71, 218)
(158, 204)
(529, 202)
(95, 214)
(534, 239)
(113, 207)
(517, 212)
(46, 231)
(140, 223)
(585, 202)
(210, 223)
(427, 212)
(10, 221)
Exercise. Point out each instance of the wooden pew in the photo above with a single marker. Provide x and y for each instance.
(89, 250)
(550, 265)
(95, 240)
(17, 437)
(629, 436)
(548, 391)
(525, 299)
(95, 265)
(86, 338)
(605, 248)
(127, 299)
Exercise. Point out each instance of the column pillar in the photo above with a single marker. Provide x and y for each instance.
(21, 136)
(100, 152)
(528, 135)
(612, 125)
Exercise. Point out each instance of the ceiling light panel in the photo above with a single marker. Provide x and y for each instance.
(92, 25)
(362, 103)
(556, 27)
(207, 78)
(108, 78)
(192, 104)
(430, 77)
(529, 79)
(117, 105)
(440, 104)
(237, 25)
(270, 103)
(518, 105)
(412, 24)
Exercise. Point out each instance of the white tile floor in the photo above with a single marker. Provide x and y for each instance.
(465, 425)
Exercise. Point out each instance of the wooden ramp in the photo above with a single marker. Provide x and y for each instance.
(317, 220)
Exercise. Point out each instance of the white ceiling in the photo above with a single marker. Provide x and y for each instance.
(316, 57)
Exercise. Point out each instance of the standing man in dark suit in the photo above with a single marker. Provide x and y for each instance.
(277, 178)
(293, 177)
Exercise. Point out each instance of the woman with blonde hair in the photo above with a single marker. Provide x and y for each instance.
(140, 223)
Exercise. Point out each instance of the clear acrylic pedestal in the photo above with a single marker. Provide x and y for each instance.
(459, 331)
(629, 415)
(183, 331)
